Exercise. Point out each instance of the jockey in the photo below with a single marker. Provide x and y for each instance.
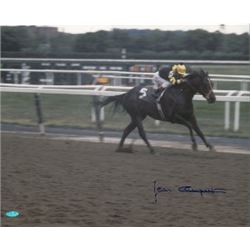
(168, 76)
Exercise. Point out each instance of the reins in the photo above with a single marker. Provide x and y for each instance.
(202, 92)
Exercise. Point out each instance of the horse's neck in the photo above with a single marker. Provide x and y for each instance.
(189, 93)
(179, 96)
(189, 90)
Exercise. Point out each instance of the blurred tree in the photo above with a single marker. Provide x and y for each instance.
(91, 42)
(10, 40)
(193, 44)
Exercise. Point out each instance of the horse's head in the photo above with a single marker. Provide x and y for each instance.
(201, 83)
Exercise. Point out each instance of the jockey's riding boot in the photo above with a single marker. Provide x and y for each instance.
(158, 98)
(157, 94)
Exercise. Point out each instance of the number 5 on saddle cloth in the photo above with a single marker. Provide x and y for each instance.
(148, 95)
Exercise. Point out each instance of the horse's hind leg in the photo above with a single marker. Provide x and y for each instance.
(199, 133)
(126, 132)
(143, 134)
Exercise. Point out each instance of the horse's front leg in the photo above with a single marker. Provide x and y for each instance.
(143, 134)
(196, 128)
(183, 121)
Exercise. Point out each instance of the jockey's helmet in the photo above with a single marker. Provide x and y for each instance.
(164, 71)
(181, 69)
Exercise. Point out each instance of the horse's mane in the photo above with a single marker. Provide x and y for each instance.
(196, 73)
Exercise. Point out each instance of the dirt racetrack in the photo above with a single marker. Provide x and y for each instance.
(74, 183)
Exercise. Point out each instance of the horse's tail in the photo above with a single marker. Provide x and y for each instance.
(117, 99)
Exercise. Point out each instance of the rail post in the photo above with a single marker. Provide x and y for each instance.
(79, 78)
(98, 114)
(244, 85)
(237, 116)
(215, 85)
(227, 116)
(16, 80)
(237, 112)
(227, 112)
(98, 118)
(39, 113)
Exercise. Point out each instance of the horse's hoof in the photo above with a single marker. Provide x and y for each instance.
(211, 148)
(101, 138)
(156, 153)
(194, 147)
(152, 151)
(124, 150)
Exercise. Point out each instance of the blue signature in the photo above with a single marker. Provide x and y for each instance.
(185, 189)
(158, 190)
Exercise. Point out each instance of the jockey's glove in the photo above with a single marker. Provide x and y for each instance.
(180, 81)
(173, 80)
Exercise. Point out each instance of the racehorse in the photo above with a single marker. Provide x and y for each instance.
(175, 106)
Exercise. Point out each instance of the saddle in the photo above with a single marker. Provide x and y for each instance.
(149, 95)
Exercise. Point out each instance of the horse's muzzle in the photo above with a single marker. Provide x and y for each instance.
(211, 99)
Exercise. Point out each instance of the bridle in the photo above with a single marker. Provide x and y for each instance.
(201, 91)
(210, 91)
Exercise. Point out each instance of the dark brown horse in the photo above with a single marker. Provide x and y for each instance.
(176, 106)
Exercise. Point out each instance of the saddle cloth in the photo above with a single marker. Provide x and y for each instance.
(147, 94)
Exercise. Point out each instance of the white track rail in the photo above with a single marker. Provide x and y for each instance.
(223, 62)
(226, 96)
(102, 72)
(97, 90)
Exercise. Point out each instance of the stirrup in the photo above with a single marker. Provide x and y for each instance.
(156, 93)
(161, 94)
(159, 108)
